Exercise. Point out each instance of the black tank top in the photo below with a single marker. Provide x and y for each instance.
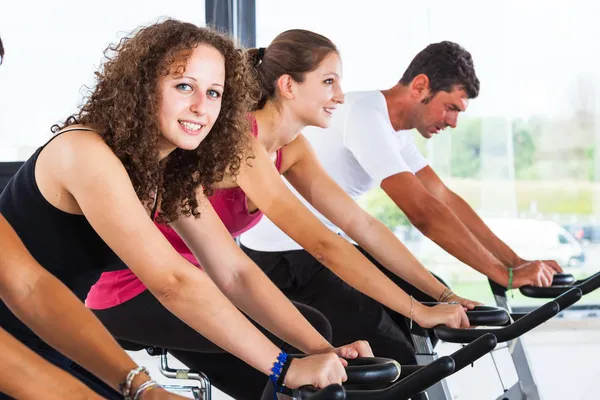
(64, 244)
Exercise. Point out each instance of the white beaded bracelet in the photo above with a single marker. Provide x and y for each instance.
(130, 376)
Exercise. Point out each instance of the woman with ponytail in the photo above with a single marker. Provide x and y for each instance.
(298, 77)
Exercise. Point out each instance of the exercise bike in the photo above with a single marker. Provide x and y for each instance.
(498, 322)
(401, 382)
(526, 387)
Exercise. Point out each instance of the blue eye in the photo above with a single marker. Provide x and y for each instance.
(214, 94)
(184, 87)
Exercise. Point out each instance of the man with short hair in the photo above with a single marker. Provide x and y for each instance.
(368, 143)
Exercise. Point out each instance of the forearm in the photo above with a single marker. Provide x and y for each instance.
(480, 230)
(384, 246)
(62, 321)
(196, 300)
(25, 375)
(55, 314)
(272, 310)
(344, 260)
(443, 227)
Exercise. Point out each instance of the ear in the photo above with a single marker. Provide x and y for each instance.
(285, 84)
(420, 86)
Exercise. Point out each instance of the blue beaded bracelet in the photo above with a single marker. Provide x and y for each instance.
(278, 367)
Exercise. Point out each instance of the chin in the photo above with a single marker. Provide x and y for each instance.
(322, 122)
(189, 144)
(425, 133)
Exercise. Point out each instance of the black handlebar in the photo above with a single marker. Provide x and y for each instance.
(517, 328)
(419, 380)
(372, 370)
(562, 284)
(563, 280)
(474, 351)
(488, 316)
(411, 385)
(405, 389)
(590, 284)
(331, 392)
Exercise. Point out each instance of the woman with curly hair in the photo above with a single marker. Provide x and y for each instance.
(84, 203)
(20, 365)
(299, 75)
(25, 288)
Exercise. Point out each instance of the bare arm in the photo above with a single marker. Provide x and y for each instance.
(263, 185)
(25, 375)
(538, 273)
(312, 182)
(437, 221)
(64, 322)
(244, 283)
(98, 181)
(469, 218)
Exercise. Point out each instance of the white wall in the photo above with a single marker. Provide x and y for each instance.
(53, 48)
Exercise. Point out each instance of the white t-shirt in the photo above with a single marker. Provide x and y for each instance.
(358, 150)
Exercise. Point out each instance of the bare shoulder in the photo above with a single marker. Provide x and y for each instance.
(294, 152)
(78, 151)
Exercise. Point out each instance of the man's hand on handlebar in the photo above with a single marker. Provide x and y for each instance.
(319, 370)
(451, 315)
(535, 273)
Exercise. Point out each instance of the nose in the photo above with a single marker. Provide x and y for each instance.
(338, 95)
(452, 119)
(198, 104)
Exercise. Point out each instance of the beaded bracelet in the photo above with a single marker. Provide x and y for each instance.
(510, 279)
(277, 369)
(280, 368)
(126, 386)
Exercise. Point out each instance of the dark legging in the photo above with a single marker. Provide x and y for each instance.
(144, 321)
(352, 315)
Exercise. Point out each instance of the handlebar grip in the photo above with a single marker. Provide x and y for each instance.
(372, 370)
(488, 316)
(560, 284)
(412, 384)
(544, 292)
(331, 392)
(474, 351)
(563, 280)
(510, 332)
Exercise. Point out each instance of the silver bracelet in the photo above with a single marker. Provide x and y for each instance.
(130, 376)
(143, 387)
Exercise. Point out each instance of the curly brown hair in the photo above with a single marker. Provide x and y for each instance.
(123, 107)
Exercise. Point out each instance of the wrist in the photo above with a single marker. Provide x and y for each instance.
(322, 348)
(280, 369)
(511, 278)
(499, 274)
(518, 261)
(418, 312)
(140, 379)
(132, 380)
(289, 372)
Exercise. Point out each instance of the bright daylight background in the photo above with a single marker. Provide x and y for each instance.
(526, 154)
